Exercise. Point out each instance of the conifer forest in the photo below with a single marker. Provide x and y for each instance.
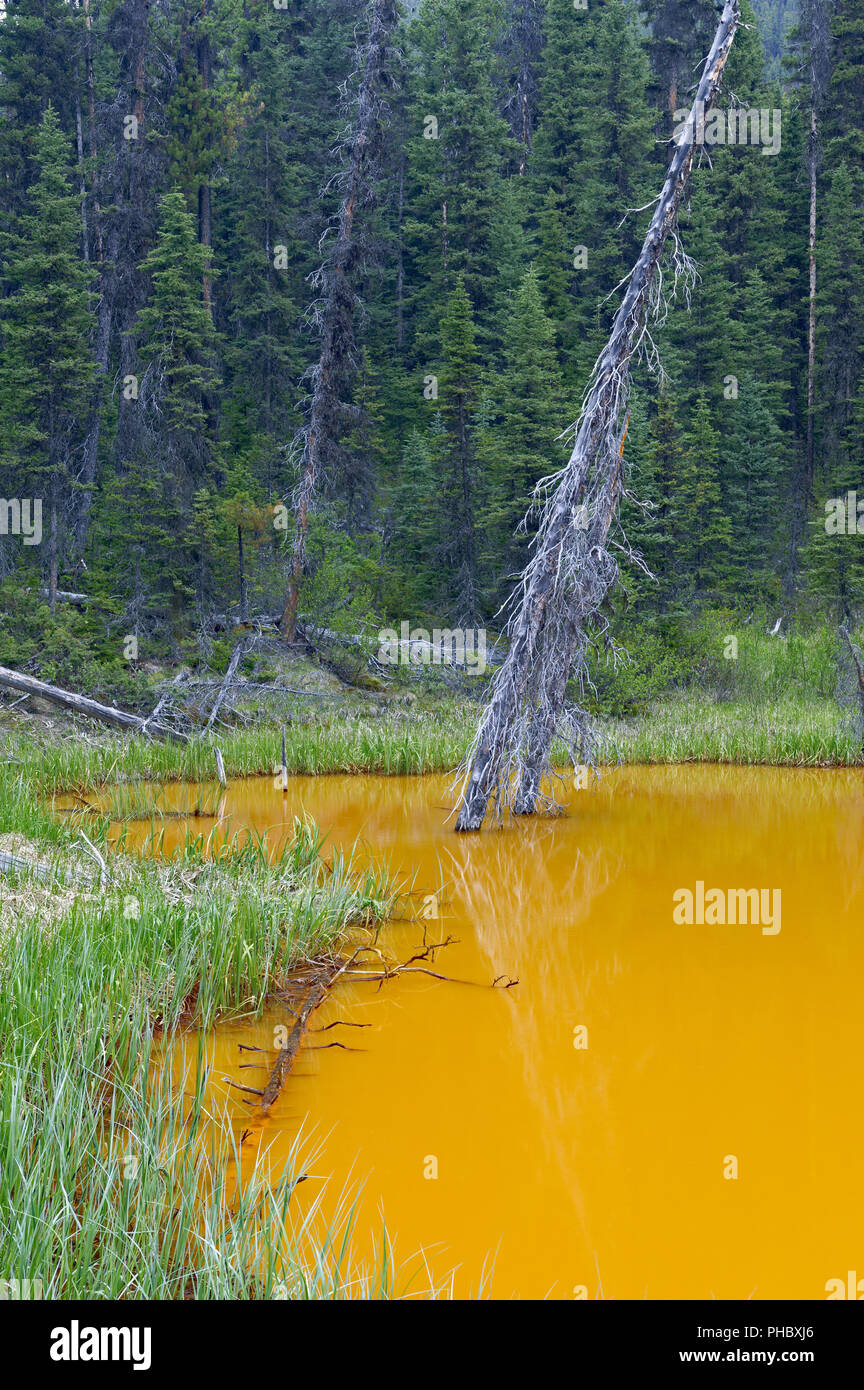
(431, 672)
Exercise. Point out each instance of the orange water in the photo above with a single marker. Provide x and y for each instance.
(603, 1170)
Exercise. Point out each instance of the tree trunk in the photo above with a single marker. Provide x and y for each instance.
(82, 179)
(91, 121)
(241, 569)
(205, 224)
(53, 544)
(571, 569)
(331, 377)
(813, 164)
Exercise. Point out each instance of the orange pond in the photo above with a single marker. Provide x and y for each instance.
(605, 1167)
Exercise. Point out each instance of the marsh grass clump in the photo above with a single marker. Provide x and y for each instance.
(114, 1181)
(391, 741)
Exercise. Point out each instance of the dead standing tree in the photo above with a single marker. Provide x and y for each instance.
(572, 567)
(335, 310)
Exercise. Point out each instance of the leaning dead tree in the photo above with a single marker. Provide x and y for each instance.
(317, 447)
(555, 610)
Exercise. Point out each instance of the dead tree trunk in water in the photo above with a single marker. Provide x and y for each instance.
(335, 312)
(571, 569)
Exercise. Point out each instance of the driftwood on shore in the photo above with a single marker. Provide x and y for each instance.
(46, 872)
(17, 864)
(80, 704)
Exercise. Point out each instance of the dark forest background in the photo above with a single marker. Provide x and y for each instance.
(169, 179)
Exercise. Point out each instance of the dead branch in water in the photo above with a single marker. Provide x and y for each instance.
(340, 1023)
(317, 986)
(317, 990)
(556, 607)
(391, 971)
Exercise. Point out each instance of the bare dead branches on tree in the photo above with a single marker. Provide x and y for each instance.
(554, 612)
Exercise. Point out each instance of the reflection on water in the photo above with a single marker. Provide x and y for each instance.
(598, 1167)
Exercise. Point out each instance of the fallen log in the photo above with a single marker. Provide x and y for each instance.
(80, 704)
(17, 864)
(66, 596)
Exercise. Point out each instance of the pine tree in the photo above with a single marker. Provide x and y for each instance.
(459, 392)
(680, 34)
(458, 148)
(177, 343)
(524, 420)
(591, 166)
(754, 498)
(38, 42)
(261, 254)
(416, 530)
(45, 368)
(521, 58)
(699, 526)
(832, 561)
(660, 468)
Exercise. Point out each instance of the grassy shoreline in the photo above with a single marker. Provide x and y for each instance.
(113, 1185)
(790, 732)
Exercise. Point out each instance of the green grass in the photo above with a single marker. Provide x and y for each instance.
(691, 726)
(775, 702)
(111, 1184)
(786, 733)
(388, 745)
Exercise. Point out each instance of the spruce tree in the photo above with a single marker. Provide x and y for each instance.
(699, 526)
(457, 151)
(45, 367)
(755, 500)
(38, 44)
(459, 393)
(520, 441)
(591, 166)
(176, 341)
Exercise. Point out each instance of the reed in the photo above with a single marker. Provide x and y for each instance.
(114, 1183)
